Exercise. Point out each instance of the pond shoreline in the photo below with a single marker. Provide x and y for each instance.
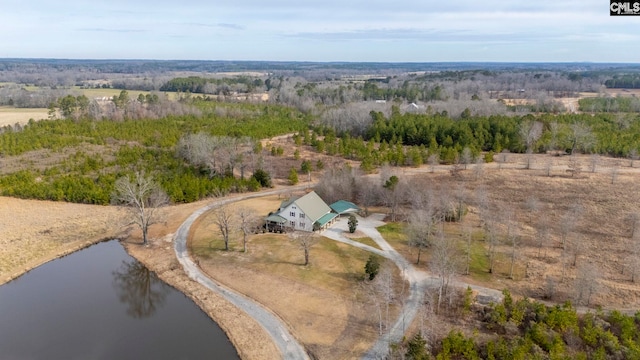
(55, 255)
(65, 228)
(247, 336)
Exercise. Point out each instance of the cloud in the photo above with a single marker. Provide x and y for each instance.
(105, 30)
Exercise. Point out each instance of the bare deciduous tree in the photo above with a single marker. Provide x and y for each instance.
(224, 219)
(305, 240)
(532, 205)
(421, 227)
(594, 161)
(466, 157)
(492, 239)
(633, 156)
(478, 170)
(530, 132)
(614, 172)
(542, 233)
(548, 166)
(513, 239)
(366, 194)
(581, 137)
(385, 290)
(444, 263)
(143, 197)
(568, 222)
(504, 158)
(586, 283)
(575, 167)
(248, 220)
(433, 160)
(393, 194)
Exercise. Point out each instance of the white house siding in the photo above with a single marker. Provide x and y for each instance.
(292, 214)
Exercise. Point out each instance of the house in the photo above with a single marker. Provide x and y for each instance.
(306, 213)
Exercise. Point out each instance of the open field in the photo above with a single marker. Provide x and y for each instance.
(10, 115)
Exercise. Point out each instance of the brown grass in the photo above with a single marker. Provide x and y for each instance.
(601, 227)
(10, 115)
(322, 302)
(34, 232)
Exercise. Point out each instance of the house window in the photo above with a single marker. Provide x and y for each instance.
(292, 214)
(301, 215)
(293, 224)
(302, 225)
(293, 207)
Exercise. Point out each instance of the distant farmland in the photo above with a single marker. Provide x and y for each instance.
(10, 115)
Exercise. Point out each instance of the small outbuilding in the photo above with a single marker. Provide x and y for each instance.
(343, 207)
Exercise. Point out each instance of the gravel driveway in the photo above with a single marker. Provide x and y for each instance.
(290, 348)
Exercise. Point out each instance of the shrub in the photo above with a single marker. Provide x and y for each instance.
(353, 223)
(372, 267)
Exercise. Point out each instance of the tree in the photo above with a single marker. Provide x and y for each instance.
(305, 240)
(433, 161)
(532, 205)
(143, 197)
(575, 167)
(224, 219)
(262, 177)
(248, 220)
(594, 161)
(353, 223)
(530, 132)
(466, 157)
(613, 172)
(372, 267)
(586, 283)
(421, 227)
(443, 263)
(581, 137)
(293, 176)
(392, 195)
(416, 348)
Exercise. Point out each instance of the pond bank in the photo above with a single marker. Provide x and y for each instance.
(36, 232)
(248, 337)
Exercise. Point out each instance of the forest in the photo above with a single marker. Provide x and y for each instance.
(93, 153)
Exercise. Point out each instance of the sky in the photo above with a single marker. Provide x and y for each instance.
(310, 30)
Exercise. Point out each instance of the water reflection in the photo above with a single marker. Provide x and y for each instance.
(140, 289)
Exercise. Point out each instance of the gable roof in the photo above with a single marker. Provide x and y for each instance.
(312, 206)
(344, 207)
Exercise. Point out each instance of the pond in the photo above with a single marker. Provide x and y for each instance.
(100, 303)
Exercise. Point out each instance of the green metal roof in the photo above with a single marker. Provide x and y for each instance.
(276, 219)
(344, 207)
(326, 218)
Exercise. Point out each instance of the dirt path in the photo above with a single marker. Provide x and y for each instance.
(289, 347)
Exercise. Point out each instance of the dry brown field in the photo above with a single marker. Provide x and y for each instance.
(11, 116)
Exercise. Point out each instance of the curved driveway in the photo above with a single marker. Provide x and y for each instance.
(418, 280)
(290, 348)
